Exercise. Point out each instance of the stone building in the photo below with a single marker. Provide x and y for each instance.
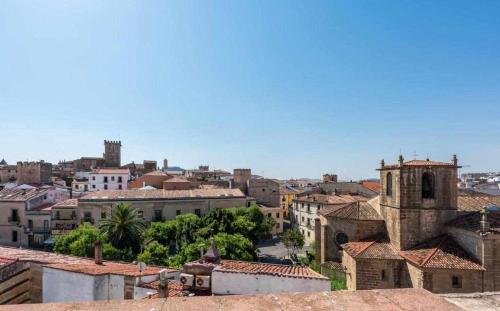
(306, 209)
(149, 166)
(418, 233)
(275, 213)
(241, 179)
(34, 172)
(265, 191)
(112, 153)
(8, 173)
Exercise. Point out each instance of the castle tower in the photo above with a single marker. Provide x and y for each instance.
(165, 165)
(112, 153)
(241, 179)
(417, 198)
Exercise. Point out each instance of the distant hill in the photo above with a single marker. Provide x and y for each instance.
(175, 169)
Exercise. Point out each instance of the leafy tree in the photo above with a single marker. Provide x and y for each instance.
(234, 246)
(186, 226)
(155, 253)
(79, 242)
(293, 239)
(220, 220)
(162, 232)
(124, 228)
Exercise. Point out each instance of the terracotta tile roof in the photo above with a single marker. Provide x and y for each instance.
(375, 248)
(69, 203)
(470, 221)
(156, 173)
(234, 266)
(470, 200)
(6, 261)
(137, 194)
(107, 267)
(372, 185)
(177, 179)
(69, 263)
(441, 253)
(175, 289)
(111, 171)
(20, 195)
(355, 211)
(43, 207)
(329, 199)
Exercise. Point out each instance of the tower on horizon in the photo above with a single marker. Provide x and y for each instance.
(112, 153)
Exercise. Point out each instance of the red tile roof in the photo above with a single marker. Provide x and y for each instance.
(107, 267)
(234, 266)
(471, 221)
(70, 203)
(111, 171)
(355, 211)
(471, 201)
(20, 195)
(6, 261)
(372, 185)
(137, 194)
(372, 249)
(329, 199)
(441, 253)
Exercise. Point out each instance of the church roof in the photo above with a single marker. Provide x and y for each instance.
(471, 221)
(355, 211)
(372, 248)
(3, 162)
(441, 253)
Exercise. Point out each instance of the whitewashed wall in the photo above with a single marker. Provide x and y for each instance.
(227, 283)
(60, 286)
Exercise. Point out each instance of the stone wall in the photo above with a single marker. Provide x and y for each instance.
(377, 273)
(265, 191)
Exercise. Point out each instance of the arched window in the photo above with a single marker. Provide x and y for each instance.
(428, 185)
(388, 184)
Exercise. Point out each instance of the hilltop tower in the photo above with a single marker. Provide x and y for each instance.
(417, 198)
(112, 153)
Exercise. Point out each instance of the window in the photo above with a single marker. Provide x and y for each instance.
(140, 214)
(120, 179)
(14, 216)
(112, 178)
(105, 178)
(103, 215)
(388, 185)
(308, 208)
(197, 212)
(269, 215)
(87, 216)
(45, 224)
(456, 282)
(278, 215)
(86, 188)
(30, 224)
(93, 186)
(105, 187)
(76, 186)
(14, 236)
(177, 212)
(58, 214)
(73, 214)
(308, 233)
(120, 186)
(302, 218)
(341, 238)
(158, 215)
(93, 177)
(428, 185)
(383, 275)
(308, 221)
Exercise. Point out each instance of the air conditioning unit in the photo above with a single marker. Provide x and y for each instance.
(187, 279)
(202, 281)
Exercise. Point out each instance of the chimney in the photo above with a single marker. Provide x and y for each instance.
(484, 225)
(98, 252)
(163, 290)
(454, 160)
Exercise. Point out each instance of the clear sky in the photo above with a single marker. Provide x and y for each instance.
(287, 88)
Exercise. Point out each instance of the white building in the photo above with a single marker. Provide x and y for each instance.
(305, 210)
(108, 179)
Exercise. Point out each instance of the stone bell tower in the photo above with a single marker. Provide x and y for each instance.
(112, 153)
(417, 198)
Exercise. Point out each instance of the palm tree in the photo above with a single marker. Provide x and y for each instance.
(124, 228)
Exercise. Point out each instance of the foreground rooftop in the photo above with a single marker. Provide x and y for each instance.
(384, 300)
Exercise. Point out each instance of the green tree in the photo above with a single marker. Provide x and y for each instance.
(79, 242)
(124, 228)
(155, 254)
(293, 239)
(186, 227)
(162, 232)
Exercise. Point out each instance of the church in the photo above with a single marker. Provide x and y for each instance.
(420, 232)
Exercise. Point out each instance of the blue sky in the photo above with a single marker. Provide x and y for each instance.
(287, 88)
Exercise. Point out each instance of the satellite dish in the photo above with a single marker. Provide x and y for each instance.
(142, 266)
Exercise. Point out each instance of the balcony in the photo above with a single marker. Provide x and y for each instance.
(14, 220)
(64, 218)
(41, 230)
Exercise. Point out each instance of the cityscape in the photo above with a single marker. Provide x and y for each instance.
(211, 155)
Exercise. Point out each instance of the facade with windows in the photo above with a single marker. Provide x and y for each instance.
(159, 205)
(306, 209)
(275, 213)
(25, 214)
(108, 179)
